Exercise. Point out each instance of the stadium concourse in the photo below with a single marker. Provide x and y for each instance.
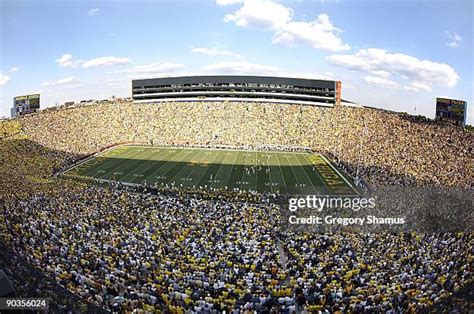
(89, 247)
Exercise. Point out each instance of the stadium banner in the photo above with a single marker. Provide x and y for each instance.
(451, 110)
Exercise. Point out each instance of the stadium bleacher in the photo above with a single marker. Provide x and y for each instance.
(120, 250)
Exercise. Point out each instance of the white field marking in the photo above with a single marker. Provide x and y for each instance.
(120, 173)
(222, 163)
(186, 179)
(242, 182)
(182, 160)
(91, 157)
(307, 176)
(166, 160)
(281, 172)
(100, 171)
(337, 171)
(141, 174)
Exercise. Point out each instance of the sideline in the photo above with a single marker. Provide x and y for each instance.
(337, 171)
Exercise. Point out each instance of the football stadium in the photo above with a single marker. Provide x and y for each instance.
(236, 156)
(78, 231)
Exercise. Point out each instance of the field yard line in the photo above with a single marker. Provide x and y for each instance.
(337, 171)
(230, 174)
(88, 159)
(243, 172)
(302, 167)
(189, 173)
(165, 162)
(183, 159)
(173, 164)
(88, 173)
(109, 164)
(296, 177)
(320, 177)
(210, 165)
(270, 175)
(317, 173)
(282, 175)
(93, 156)
(167, 154)
(281, 185)
(135, 168)
(195, 168)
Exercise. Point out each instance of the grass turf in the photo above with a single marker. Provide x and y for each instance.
(282, 172)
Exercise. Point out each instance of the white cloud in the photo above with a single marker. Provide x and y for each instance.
(227, 2)
(64, 81)
(418, 86)
(67, 61)
(14, 69)
(452, 44)
(105, 61)
(384, 64)
(93, 11)
(248, 68)
(306, 75)
(319, 33)
(156, 68)
(261, 13)
(148, 70)
(241, 67)
(215, 52)
(454, 39)
(4, 79)
(380, 81)
(380, 73)
(311, 76)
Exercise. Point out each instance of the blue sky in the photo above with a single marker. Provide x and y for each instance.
(398, 55)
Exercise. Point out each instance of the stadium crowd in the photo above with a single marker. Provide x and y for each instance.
(380, 147)
(124, 251)
(121, 251)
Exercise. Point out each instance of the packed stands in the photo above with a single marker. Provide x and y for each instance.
(388, 149)
(121, 250)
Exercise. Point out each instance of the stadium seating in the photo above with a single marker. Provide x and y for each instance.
(121, 250)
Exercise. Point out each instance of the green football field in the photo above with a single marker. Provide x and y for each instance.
(262, 171)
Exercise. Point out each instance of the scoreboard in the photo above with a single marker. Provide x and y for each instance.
(451, 110)
(25, 104)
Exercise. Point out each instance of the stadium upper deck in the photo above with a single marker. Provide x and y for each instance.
(256, 88)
